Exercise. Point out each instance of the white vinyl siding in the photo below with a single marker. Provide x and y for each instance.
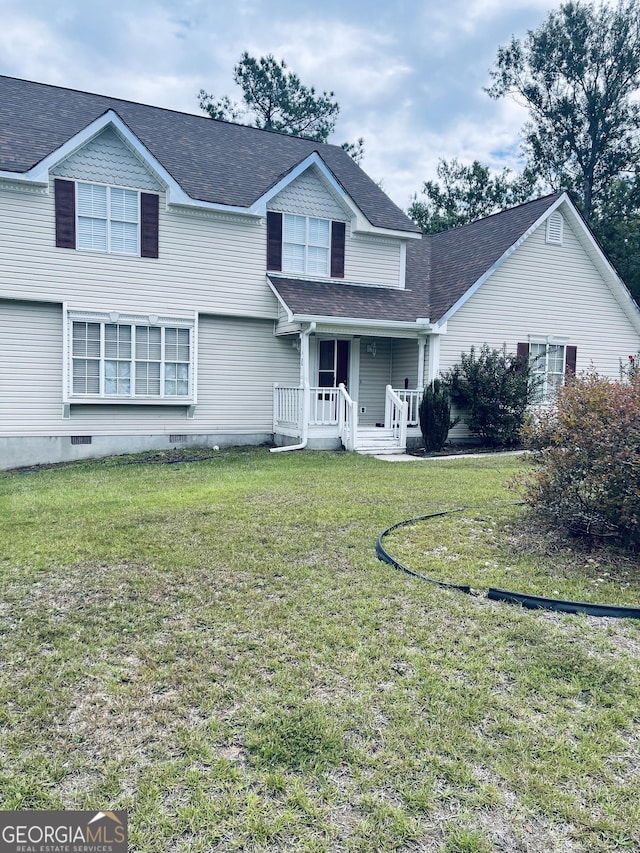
(306, 243)
(116, 360)
(372, 260)
(404, 363)
(235, 388)
(108, 218)
(368, 260)
(208, 263)
(375, 375)
(540, 291)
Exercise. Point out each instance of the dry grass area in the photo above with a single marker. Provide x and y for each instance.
(214, 647)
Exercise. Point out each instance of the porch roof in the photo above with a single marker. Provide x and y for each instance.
(304, 298)
(441, 268)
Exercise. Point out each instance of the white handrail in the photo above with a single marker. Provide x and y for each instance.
(347, 418)
(413, 396)
(395, 416)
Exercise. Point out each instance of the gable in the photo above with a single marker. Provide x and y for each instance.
(204, 163)
(107, 159)
(546, 292)
(308, 195)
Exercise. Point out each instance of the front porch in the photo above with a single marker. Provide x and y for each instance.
(361, 393)
(333, 420)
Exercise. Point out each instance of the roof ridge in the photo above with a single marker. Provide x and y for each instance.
(165, 109)
(550, 197)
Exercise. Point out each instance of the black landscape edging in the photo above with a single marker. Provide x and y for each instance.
(532, 602)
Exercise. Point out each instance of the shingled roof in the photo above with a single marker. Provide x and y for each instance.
(441, 268)
(213, 161)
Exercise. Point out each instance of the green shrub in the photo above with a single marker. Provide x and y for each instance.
(587, 459)
(435, 415)
(493, 390)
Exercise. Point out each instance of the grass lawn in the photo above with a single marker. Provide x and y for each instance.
(214, 647)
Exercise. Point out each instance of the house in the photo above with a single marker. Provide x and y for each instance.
(167, 280)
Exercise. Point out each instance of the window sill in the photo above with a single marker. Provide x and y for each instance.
(130, 401)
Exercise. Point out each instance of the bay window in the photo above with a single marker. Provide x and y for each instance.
(115, 358)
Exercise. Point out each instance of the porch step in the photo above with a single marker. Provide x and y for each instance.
(373, 440)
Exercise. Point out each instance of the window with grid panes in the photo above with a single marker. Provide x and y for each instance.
(306, 245)
(108, 219)
(548, 367)
(126, 360)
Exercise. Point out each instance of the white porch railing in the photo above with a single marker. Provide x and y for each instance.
(323, 407)
(395, 416)
(332, 411)
(287, 406)
(347, 418)
(413, 396)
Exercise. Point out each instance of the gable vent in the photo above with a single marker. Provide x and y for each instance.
(555, 228)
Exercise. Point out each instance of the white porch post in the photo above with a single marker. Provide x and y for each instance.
(305, 379)
(421, 350)
(434, 358)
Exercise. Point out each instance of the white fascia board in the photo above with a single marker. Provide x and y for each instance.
(474, 287)
(419, 325)
(39, 174)
(362, 224)
(286, 308)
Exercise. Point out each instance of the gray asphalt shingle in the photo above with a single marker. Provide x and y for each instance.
(235, 165)
(212, 161)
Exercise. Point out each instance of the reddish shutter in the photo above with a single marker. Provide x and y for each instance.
(571, 355)
(523, 353)
(65, 205)
(337, 249)
(274, 240)
(149, 212)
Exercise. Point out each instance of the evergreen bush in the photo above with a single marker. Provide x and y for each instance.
(435, 415)
(493, 390)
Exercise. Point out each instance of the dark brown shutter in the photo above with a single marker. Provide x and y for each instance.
(149, 210)
(337, 249)
(522, 353)
(274, 240)
(570, 361)
(65, 203)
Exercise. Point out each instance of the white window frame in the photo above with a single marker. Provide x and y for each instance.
(547, 387)
(135, 321)
(109, 219)
(307, 244)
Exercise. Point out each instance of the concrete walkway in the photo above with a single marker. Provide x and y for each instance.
(407, 457)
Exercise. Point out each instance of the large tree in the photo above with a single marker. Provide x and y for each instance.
(578, 74)
(463, 194)
(273, 98)
(616, 224)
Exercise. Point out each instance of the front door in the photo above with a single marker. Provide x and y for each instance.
(333, 363)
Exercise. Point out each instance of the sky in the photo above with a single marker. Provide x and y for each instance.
(408, 76)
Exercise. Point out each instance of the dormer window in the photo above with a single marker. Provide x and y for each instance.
(305, 245)
(108, 219)
(104, 218)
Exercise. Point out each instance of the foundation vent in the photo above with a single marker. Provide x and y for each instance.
(81, 439)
